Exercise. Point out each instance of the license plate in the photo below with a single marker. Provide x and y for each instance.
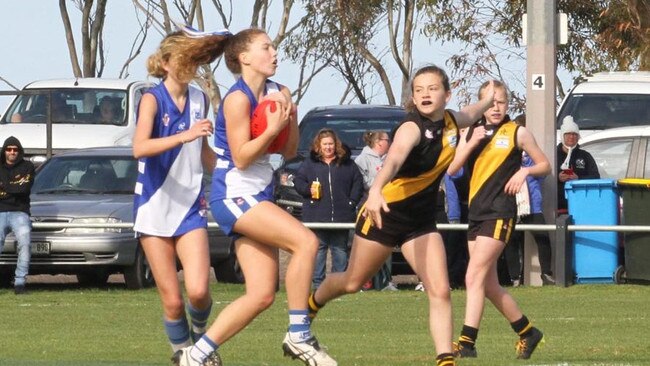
(40, 248)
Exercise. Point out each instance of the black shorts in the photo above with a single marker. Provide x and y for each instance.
(397, 227)
(499, 229)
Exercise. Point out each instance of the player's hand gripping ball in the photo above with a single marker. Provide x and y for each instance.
(258, 125)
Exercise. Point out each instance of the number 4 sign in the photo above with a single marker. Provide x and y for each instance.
(539, 81)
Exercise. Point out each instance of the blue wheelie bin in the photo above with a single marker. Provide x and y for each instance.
(594, 202)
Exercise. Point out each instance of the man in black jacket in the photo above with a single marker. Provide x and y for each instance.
(16, 179)
(572, 162)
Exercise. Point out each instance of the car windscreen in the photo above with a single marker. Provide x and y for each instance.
(349, 130)
(603, 111)
(69, 106)
(94, 174)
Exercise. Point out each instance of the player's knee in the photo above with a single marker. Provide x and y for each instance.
(440, 292)
(470, 279)
(264, 300)
(174, 307)
(352, 286)
(306, 244)
(198, 295)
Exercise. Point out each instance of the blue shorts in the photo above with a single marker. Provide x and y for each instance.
(227, 211)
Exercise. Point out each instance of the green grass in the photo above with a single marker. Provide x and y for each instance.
(584, 325)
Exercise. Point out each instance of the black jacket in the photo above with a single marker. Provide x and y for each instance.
(15, 180)
(583, 165)
(341, 189)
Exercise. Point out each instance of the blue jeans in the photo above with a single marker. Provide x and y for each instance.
(18, 222)
(337, 242)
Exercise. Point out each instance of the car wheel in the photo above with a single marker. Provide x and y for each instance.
(228, 270)
(139, 274)
(93, 279)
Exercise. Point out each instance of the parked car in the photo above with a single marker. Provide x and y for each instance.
(349, 122)
(95, 186)
(608, 100)
(620, 152)
(74, 108)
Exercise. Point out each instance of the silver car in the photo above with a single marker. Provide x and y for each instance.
(95, 187)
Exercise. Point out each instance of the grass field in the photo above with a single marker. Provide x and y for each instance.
(584, 325)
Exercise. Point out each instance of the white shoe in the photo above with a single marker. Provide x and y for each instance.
(419, 287)
(308, 352)
(183, 358)
(390, 287)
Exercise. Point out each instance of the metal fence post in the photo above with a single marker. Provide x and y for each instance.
(563, 252)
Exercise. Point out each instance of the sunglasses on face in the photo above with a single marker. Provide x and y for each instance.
(11, 149)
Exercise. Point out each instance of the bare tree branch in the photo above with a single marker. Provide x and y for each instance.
(8, 83)
(138, 42)
(226, 20)
(69, 36)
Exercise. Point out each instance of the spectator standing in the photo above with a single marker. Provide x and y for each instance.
(572, 162)
(455, 243)
(371, 158)
(16, 180)
(171, 144)
(370, 161)
(515, 249)
(331, 186)
(529, 211)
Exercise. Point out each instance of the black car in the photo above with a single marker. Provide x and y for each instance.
(349, 122)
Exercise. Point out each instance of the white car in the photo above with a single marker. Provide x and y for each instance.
(74, 107)
(607, 100)
(620, 152)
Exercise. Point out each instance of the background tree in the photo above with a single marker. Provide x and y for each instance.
(93, 54)
(355, 38)
(369, 43)
(192, 13)
(605, 35)
(92, 27)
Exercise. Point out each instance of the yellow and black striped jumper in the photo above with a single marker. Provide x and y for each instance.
(492, 213)
(491, 165)
(412, 194)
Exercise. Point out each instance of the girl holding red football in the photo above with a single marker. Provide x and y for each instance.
(241, 203)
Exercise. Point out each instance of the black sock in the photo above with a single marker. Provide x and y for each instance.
(445, 359)
(522, 326)
(468, 336)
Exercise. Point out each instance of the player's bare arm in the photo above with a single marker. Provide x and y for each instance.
(542, 167)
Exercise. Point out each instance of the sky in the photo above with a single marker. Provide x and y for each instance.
(34, 48)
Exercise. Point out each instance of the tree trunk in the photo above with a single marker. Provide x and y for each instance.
(69, 36)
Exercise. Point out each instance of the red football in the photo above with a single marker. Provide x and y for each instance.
(258, 125)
